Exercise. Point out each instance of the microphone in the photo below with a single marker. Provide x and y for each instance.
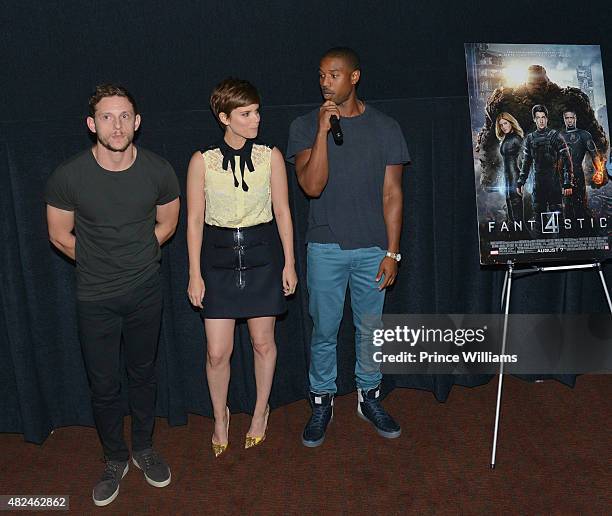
(336, 130)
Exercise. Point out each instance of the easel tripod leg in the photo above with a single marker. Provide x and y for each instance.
(604, 285)
(506, 305)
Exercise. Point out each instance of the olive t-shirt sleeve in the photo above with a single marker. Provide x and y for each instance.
(60, 191)
(396, 148)
(169, 186)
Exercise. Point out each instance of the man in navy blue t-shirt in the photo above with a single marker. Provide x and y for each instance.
(354, 225)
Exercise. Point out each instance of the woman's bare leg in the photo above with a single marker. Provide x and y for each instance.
(261, 330)
(220, 343)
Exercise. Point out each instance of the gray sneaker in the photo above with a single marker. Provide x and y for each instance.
(155, 469)
(107, 488)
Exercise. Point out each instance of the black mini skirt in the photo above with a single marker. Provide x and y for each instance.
(242, 271)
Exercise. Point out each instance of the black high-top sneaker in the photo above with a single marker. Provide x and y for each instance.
(370, 409)
(322, 414)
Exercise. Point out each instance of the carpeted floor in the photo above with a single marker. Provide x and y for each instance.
(554, 457)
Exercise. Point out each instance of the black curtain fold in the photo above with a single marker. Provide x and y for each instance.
(42, 378)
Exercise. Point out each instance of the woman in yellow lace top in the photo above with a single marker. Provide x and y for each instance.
(236, 188)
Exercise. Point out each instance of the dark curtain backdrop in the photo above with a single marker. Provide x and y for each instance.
(170, 55)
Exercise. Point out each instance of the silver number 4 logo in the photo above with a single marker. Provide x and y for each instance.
(550, 222)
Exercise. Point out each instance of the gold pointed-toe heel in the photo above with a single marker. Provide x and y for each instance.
(217, 448)
(252, 440)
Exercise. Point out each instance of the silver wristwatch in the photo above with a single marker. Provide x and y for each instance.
(396, 256)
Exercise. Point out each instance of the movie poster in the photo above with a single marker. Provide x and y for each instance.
(541, 152)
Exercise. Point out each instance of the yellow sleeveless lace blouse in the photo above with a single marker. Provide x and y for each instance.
(234, 197)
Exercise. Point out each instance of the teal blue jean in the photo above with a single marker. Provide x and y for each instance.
(330, 271)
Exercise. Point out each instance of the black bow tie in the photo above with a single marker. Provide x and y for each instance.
(244, 155)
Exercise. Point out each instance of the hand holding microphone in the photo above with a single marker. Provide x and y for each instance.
(329, 120)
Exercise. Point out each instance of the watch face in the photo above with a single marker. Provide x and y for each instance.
(396, 256)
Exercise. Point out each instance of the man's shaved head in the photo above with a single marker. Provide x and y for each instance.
(348, 55)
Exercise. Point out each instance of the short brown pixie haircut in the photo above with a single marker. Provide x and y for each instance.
(231, 93)
(109, 90)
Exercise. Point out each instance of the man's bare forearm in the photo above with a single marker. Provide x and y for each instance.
(163, 231)
(393, 200)
(66, 244)
(392, 211)
(313, 175)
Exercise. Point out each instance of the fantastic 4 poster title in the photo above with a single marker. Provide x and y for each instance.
(541, 152)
